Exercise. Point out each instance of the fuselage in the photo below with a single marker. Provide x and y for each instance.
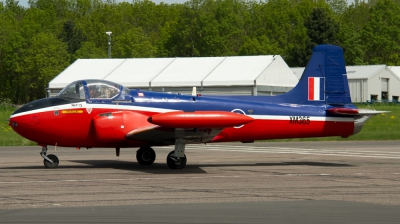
(69, 122)
(100, 113)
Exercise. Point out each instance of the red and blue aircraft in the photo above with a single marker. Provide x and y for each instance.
(98, 113)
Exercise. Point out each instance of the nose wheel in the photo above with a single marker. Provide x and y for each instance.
(50, 161)
(54, 163)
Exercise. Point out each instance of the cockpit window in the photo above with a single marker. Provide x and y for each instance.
(103, 89)
(73, 91)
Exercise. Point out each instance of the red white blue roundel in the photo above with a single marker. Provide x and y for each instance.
(316, 88)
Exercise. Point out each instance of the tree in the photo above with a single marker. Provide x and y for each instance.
(321, 29)
(72, 36)
(352, 21)
(44, 59)
(381, 35)
(133, 44)
(89, 50)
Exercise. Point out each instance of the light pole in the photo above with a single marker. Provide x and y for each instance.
(109, 43)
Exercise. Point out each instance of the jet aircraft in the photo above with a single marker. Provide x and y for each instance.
(99, 113)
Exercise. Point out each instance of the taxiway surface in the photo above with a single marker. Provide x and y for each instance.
(334, 182)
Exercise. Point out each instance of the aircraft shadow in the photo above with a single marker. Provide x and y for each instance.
(162, 168)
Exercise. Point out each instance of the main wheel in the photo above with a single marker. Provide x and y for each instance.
(145, 156)
(50, 165)
(175, 163)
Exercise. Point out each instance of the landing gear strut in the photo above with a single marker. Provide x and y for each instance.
(145, 156)
(50, 161)
(177, 158)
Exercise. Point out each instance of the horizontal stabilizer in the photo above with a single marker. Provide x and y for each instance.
(199, 119)
(371, 112)
(343, 111)
(354, 111)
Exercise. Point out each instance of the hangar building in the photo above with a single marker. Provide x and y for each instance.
(239, 75)
(370, 82)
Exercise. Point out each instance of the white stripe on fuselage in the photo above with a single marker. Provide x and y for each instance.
(84, 105)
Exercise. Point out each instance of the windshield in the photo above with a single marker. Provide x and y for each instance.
(101, 89)
(73, 91)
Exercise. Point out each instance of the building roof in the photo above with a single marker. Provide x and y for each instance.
(178, 72)
(395, 70)
(363, 71)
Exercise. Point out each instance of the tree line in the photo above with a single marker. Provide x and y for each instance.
(40, 41)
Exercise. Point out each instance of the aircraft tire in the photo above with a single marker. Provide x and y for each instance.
(53, 165)
(145, 156)
(180, 164)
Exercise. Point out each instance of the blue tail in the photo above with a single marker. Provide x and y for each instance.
(324, 80)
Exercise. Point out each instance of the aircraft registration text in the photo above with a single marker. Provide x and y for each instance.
(299, 120)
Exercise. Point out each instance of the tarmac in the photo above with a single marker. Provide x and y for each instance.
(278, 182)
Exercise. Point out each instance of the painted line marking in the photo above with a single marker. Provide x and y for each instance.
(166, 178)
(330, 152)
(266, 147)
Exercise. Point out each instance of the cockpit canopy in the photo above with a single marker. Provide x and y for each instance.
(93, 89)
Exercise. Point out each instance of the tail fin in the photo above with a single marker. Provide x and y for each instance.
(324, 80)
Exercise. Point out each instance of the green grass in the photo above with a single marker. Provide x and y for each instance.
(7, 136)
(381, 127)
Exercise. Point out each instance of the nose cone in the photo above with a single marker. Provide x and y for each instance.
(25, 119)
(21, 123)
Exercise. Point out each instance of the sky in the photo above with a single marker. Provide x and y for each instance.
(25, 2)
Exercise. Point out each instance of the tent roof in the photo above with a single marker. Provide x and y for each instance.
(238, 71)
(187, 71)
(85, 69)
(178, 72)
(139, 72)
(298, 72)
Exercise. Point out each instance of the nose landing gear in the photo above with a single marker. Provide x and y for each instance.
(50, 161)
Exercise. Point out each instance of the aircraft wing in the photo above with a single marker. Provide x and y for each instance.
(197, 126)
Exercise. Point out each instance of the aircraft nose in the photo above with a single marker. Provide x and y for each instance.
(18, 123)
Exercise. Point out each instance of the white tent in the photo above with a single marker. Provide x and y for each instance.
(248, 75)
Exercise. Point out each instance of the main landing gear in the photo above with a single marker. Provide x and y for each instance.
(145, 156)
(50, 161)
(175, 159)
